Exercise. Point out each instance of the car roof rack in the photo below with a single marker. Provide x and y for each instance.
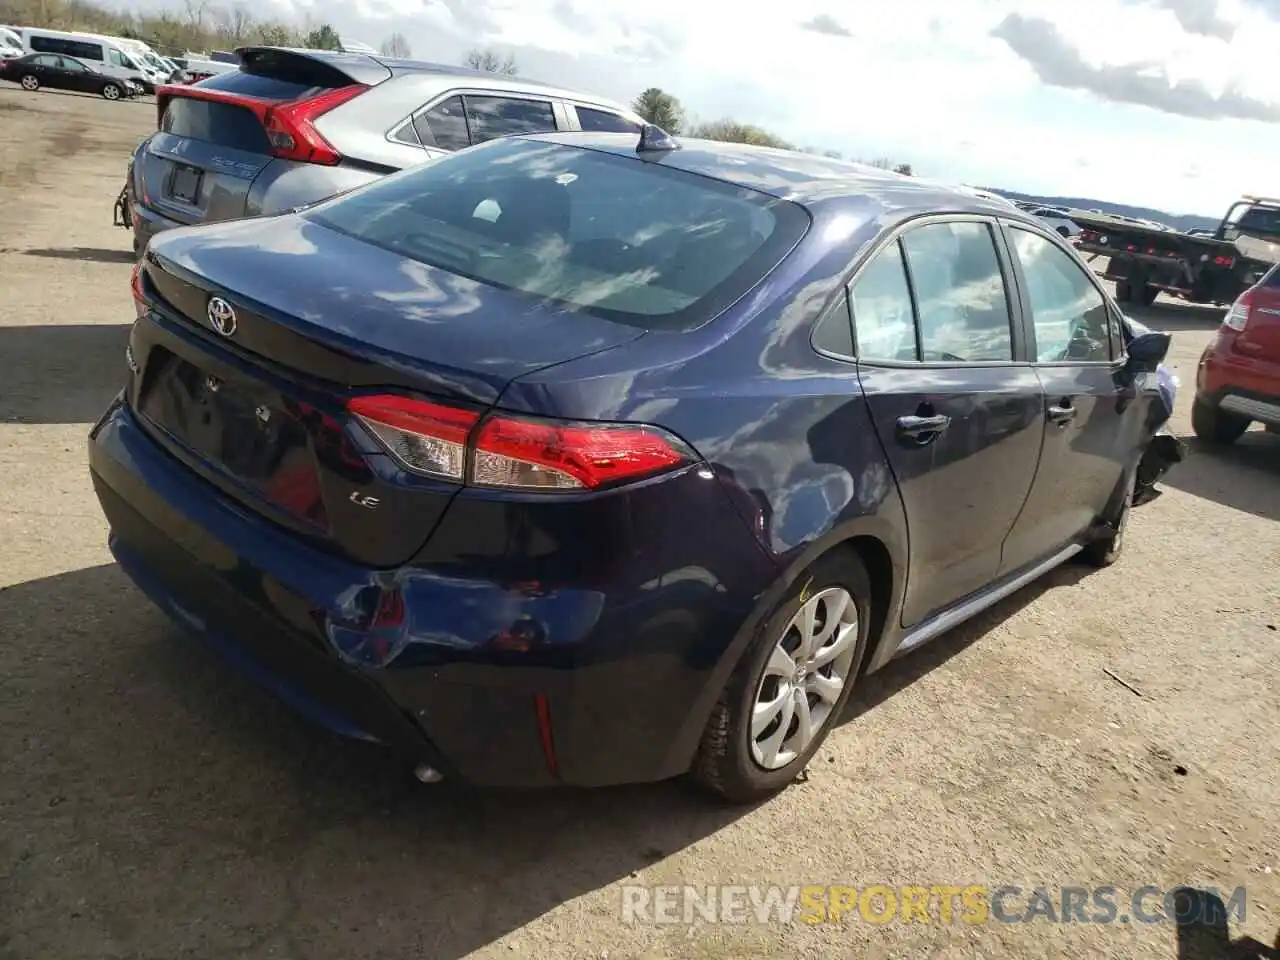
(1267, 201)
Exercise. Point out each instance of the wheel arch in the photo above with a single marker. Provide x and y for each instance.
(882, 549)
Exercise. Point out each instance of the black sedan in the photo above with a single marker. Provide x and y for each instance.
(60, 72)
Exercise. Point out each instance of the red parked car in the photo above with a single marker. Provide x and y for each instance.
(1238, 380)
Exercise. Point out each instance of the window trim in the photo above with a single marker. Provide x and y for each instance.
(894, 235)
(1006, 225)
(557, 111)
(841, 294)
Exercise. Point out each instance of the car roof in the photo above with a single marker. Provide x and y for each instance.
(808, 179)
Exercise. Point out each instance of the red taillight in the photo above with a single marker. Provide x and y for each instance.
(1224, 261)
(517, 453)
(291, 126)
(1237, 317)
(428, 438)
(535, 454)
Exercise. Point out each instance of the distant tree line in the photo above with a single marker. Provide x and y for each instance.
(665, 110)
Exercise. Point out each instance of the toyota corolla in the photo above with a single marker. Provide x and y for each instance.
(568, 459)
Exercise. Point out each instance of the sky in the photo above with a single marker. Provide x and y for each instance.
(1173, 104)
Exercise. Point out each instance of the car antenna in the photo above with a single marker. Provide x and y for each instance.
(653, 139)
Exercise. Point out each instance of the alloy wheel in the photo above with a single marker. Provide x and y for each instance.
(804, 677)
(29, 82)
(111, 92)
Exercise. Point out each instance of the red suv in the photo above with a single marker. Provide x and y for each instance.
(1238, 380)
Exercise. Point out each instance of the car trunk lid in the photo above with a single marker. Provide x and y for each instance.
(259, 407)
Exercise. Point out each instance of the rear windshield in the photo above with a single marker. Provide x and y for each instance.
(264, 87)
(1259, 220)
(222, 123)
(624, 239)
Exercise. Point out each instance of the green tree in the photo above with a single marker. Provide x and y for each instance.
(273, 33)
(904, 169)
(660, 108)
(323, 37)
(491, 62)
(396, 46)
(734, 131)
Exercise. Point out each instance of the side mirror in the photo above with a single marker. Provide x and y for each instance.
(1148, 350)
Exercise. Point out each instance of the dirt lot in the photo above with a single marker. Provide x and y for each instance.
(154, 805)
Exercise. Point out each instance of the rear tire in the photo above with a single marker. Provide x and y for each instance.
(1122, 291)
(744, 759)
(111, 92)
(1215, 425)
(1147, 295)
(30, 82)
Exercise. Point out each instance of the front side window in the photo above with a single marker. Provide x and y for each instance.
(960, 294)
(1068, 312)
(634, 242)
(882, 314)
(443, 126)
(493, 117)
(75, 66)
(119, 58)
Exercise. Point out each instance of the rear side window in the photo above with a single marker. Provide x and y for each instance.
(443, 126)
(1271, 279)
(882, 314)
(834, 333)
(634, 242)
(960, 295)
(493, 117)
(602, 121)
(1068, 312)
(222, 123)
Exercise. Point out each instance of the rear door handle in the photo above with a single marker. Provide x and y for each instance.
(922, 430)
(1062, 415)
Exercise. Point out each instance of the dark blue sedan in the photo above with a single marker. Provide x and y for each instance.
(571, 460)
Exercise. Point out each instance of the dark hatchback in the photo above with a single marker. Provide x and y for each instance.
(562, 461)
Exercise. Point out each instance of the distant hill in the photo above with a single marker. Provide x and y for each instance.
(1177, 221)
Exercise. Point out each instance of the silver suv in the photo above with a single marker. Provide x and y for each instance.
(291, 127)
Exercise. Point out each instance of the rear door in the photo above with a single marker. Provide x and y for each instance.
(468, 117)
(957, 408)
(1094, 406)
(213, 143)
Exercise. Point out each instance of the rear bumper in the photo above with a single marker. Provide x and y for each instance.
(484, 682)
(147, 223)
(1244, 385)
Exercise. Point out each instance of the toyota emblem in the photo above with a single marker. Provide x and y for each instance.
(221, 317)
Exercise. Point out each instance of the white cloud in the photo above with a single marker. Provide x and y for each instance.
(937, 83)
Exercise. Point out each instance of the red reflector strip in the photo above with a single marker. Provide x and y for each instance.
(542, 710)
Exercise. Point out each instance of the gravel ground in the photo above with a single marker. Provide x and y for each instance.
(153, 805)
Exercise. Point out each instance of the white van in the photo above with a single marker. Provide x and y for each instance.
(10, 44)
(156, 67)
(105, 56)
